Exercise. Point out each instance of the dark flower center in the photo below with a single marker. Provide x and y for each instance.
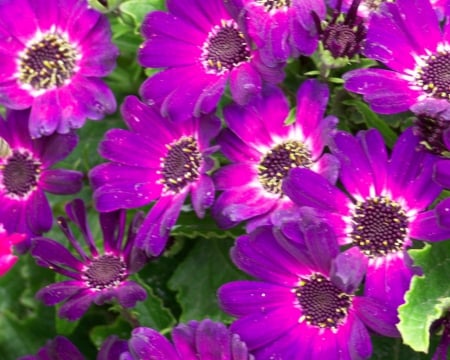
(181, 164)
(105, 271)
(434, 76)
(277, 162)
(20, 174)
(431, 131)
(270, 5)
(225, 48)
(47, 63)
(323, 304)
(342, 37)
(379, 226)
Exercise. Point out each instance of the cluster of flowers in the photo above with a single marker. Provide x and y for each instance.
(324, 210)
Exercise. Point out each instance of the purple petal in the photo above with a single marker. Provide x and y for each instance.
(202, 195)
(213, 340)
(377, 316)
(432, 225)
(38, 212)
(154, 232)
(50, 253)
(348, 270)
(55, 293)
(61, 181)
(306, 188)
(245, 82)
(442, 173)
(129, 293)
(148, 344)
(359, 342)
(240, 298)
(10, 11)
(75, 307)
(112, 349)
(183, 337)
(45, 114)
(55, 148)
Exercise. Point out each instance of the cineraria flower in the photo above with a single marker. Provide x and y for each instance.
(303, 305)
(405, 37)
(196, 340)
(98, 276)
(53, 54)
(262, 149)
(56, 349)
(7, 242)
(155, 160)
(386, 206)
(343, 35)
(26, 174)
(281, 28)
(201, 47)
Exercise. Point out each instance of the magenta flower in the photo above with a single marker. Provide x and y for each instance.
(96, 276)
(385, 207)
(7, 242)
(201, 48)
(26, 174)
(53, 54)
(263, 149)
(196, 340)
(303, 304)
(156, 160)
(406, 37)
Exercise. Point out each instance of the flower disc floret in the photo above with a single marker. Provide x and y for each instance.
(323, 304)
(225, 48)
(433, 75)
(105, 271)
(48, 62)
(181, 165)
(270, 5)
(380, 226)
(277, 162)
(20, 174)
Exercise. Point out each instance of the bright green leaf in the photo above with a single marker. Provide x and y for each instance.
(428, 297)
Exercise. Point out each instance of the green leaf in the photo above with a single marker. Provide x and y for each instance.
(428, 297)
(200, 275)
(134, 11)
(119, 327)
(151, 312)
(373, 121)
(25, 323)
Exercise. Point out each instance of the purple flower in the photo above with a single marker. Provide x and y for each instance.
(385, 208)
(303, 305)
(405, 37)
(262, 149)
(53, 54)
(26, 174)
(442, 325)
(196, 340)
(344, 34)
(56, 349)
(156, 160)
(201, 48)
(96, 276)
(281, 29)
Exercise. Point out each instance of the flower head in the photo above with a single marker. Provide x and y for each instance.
(385, 207)
(156, 159)
(303, 305)
(56, 349)
(281, 29)
(7, 242)
(201, 48)
(262, 149)
(406, 37)
(53, 54)
(26, 174)
(96, 276)
(344, 34)
(196, 340)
